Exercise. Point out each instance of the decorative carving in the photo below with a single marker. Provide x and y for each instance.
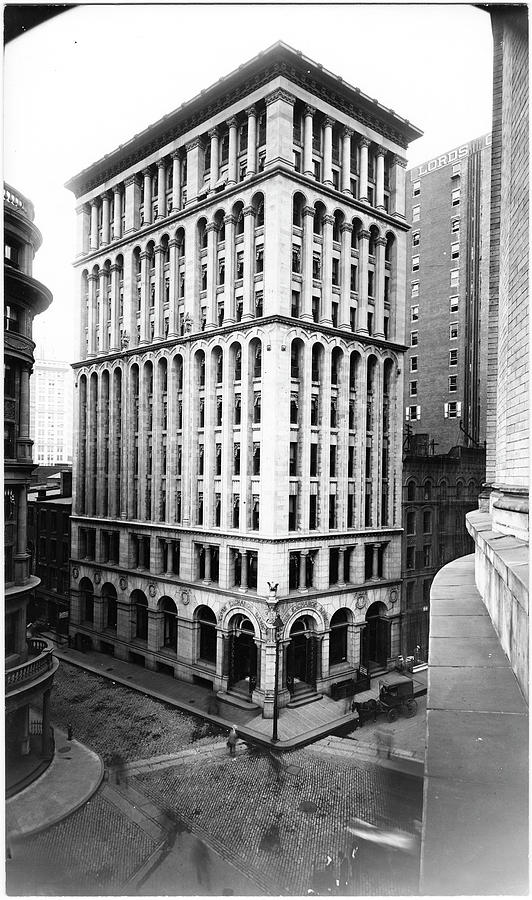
(188, 322)
(393, 596)
(152, 590)
(122, 583)
(185, 596)
(361, 600)
(124, 340)
(310, 110)
(308, 604)
(97, 577)
(364, 142)
(280, 94)
(75, 573)
(9, 409)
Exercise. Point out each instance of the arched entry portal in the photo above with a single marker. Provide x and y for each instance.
(242, 654)
(376, 637)
(302, 654)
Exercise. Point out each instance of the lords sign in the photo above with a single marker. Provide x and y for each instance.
(444, 160)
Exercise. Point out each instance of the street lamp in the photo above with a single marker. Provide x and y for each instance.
(278, 625)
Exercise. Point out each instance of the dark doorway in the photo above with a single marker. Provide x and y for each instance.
(242, 652)
(302, 653)
(376, 637)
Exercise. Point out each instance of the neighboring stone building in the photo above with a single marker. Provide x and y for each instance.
(49, 512)
(51, 412)
(476, 838)
(448, 206)
(29, 664)
(238, 394)
(438, 490)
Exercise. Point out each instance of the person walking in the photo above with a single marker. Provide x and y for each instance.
(231, 741)
(353, 866)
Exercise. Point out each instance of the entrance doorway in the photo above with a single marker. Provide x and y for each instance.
(376, 638)
(242, 655)
(302, 654)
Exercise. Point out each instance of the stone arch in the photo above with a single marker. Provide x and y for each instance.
(205, 622)
(110, 608)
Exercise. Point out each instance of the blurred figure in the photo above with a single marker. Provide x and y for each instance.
(202, 863)
(342, 882)
(231, 741)
(384, 742)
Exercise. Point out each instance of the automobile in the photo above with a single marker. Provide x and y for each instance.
(396, 696)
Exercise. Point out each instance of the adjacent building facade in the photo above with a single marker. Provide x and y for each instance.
(239, 387)
(438, 490)
(448, 206)
(29, 664)
(51, 412)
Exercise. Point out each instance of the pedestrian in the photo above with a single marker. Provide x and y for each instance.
(202, 863)
(356, 716)
(231, 741)
(342, 881)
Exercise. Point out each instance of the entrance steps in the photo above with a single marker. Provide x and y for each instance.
(302, 695)
(238, 695)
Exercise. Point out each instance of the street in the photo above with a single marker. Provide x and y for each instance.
(189, 819)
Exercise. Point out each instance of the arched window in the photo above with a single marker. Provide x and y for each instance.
(338, 637)
(207, 634)
(140, 603)
(86, 592)
(169, 631)
(257, 363)
(411, 490)
(427, 490)
(459, 490)
(427, 521)
(443, 490)
(109, 606)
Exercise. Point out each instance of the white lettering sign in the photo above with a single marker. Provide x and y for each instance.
(440, 161)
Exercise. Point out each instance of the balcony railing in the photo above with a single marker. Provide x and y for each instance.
(41, 661)
(19, 201)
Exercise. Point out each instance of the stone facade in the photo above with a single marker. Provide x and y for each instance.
(239, 386)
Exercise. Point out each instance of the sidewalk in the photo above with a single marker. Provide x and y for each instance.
(72, 777)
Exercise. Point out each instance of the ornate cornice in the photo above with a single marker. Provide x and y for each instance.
(280, 94)
(232, 122)
(399, 161)
(251, 111)
(364, 142)
(347, 131)
(381, 151)
(213, 132)
(328, 220)
(193, 145)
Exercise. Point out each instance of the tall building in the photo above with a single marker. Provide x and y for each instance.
(238, 392)
(29, 664)
(448, 206)
(51, 412)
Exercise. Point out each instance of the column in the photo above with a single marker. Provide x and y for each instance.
(24, 444)
(156, 446)
(174, 287)
(21, 557)
(94, 225)
(354, 567)
(375, 563)
(346, 230)
(215, 162)
(229, 290)
(212, 232)
(251, 113)
(207, 578)
(303, 570)
(362, 308)
(381, 152)
(102, 312)
(132, 200)
(398, 176)
(91, 350)
(363, 174)
(176, 180)
(106, 221)
(83, 229)
(327, 152)
(347, 134)
(244, 570)
(341, 565)
(103, 408)
(144, 297)
(249, 263)
(232, 173)
(194, 169)
(308, 249)
(326, 270)
(147, 196)
(117, 212)
(161, 189)
(308, 168)
(115, 308)
(379, 287)
(159, 275)
(169, 559)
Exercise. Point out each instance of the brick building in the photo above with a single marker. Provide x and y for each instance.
(238, 391)
(29, 664)
(438, 490)
(448, 206)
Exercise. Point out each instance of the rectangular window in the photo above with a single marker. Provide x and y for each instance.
(413, 413)
(453, 331)
(455, 275)
(455, 251)
(410, 557)
(316, 266)
(415, 289)
(414, 338)
(455, 197)
(452, 384)
(416, 213)
(296, 260)
(453, 304)
(427, 555)
(452, 410)
(457, 168)
(453, 357)
(413, 388)
(415, 239)
(413, 363)
(414, 313)
(415, 264)
(416, 188)
(293, 458)
(259, 260)
(455, 226)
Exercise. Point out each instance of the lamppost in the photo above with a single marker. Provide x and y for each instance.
(278, 625)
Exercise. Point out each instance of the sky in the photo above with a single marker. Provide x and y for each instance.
(88, 80)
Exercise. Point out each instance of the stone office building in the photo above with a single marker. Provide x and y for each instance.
(239, 385)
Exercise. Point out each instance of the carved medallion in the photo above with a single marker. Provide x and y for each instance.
(123, 583)
(185, 596)
(393, 596)
(75, 573)
(97, 577)
(152, 590)
(361, 601)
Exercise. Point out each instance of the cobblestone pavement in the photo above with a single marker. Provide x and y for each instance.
(269, 818)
